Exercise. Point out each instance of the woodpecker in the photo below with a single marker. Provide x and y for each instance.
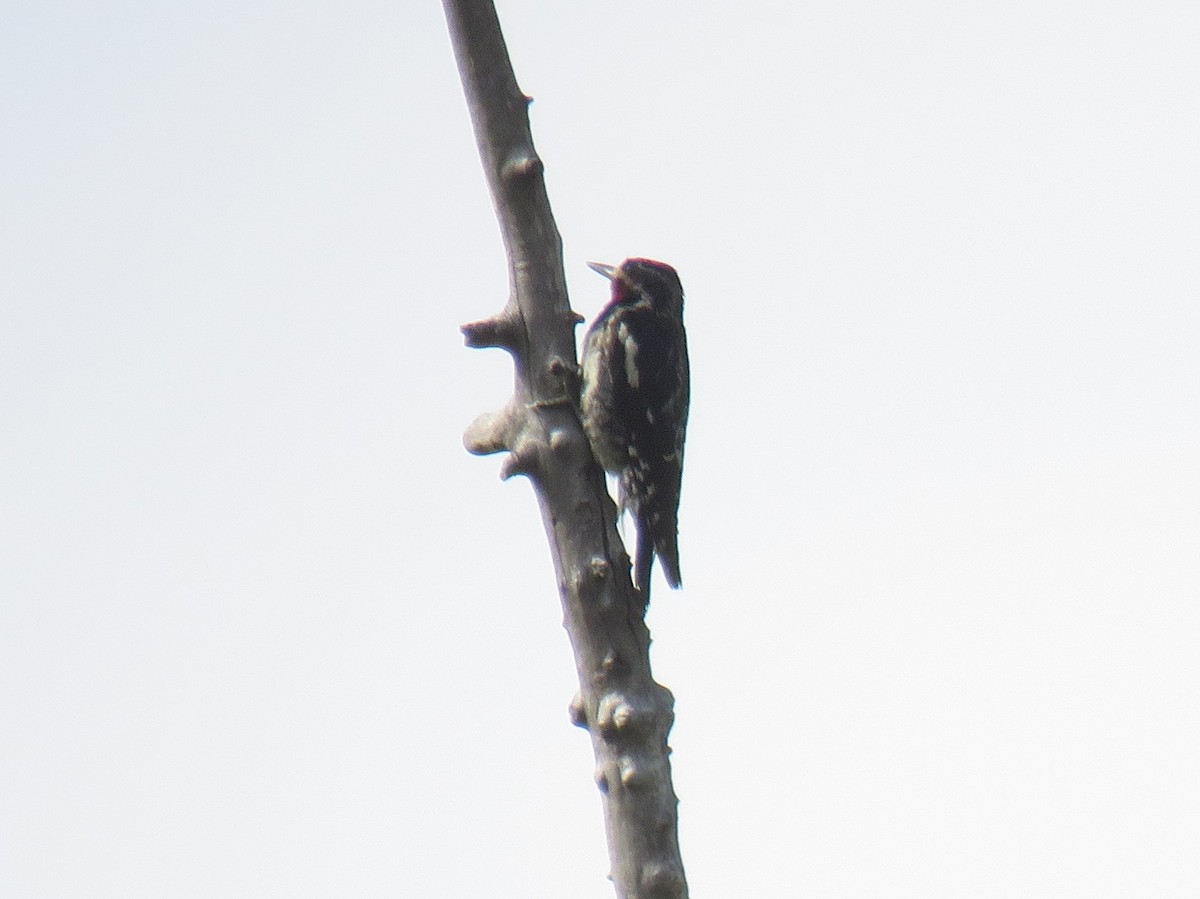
(634, 404)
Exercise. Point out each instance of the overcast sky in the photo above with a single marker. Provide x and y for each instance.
(267, 630)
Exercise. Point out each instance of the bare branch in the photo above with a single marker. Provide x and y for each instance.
(627, 714)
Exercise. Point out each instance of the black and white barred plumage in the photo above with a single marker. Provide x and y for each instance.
(635, 404)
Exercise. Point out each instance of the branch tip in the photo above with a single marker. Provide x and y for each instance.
(501, 331)
(515, 464)
(489, 433)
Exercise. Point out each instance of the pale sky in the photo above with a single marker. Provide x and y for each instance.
(267, 630)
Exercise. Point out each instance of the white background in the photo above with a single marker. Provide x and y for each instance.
(267, 630)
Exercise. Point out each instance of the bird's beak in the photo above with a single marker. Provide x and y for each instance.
(609, 271)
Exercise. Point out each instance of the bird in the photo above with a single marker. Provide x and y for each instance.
(634, 404)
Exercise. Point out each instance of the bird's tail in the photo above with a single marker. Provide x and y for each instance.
(667, 550)
(668, 555)
(645, 561)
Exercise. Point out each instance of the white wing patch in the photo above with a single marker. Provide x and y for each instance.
(631, 351)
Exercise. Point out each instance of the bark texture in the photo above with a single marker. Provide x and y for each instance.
(626, 713)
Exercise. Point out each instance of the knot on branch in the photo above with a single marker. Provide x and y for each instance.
(641, 770)
(618, 714)
(665, 700)
(562, 439)
(599, 568)
(613, 666)
(587, 581)
(635, 772)
(577, 711)
(663, 880)
(632, 771)
(522, 165)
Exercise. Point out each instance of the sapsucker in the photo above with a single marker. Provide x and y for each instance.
(635, 404)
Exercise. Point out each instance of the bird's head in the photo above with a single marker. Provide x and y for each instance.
(637, 281)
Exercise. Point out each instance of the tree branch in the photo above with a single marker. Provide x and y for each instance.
(627, 714)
